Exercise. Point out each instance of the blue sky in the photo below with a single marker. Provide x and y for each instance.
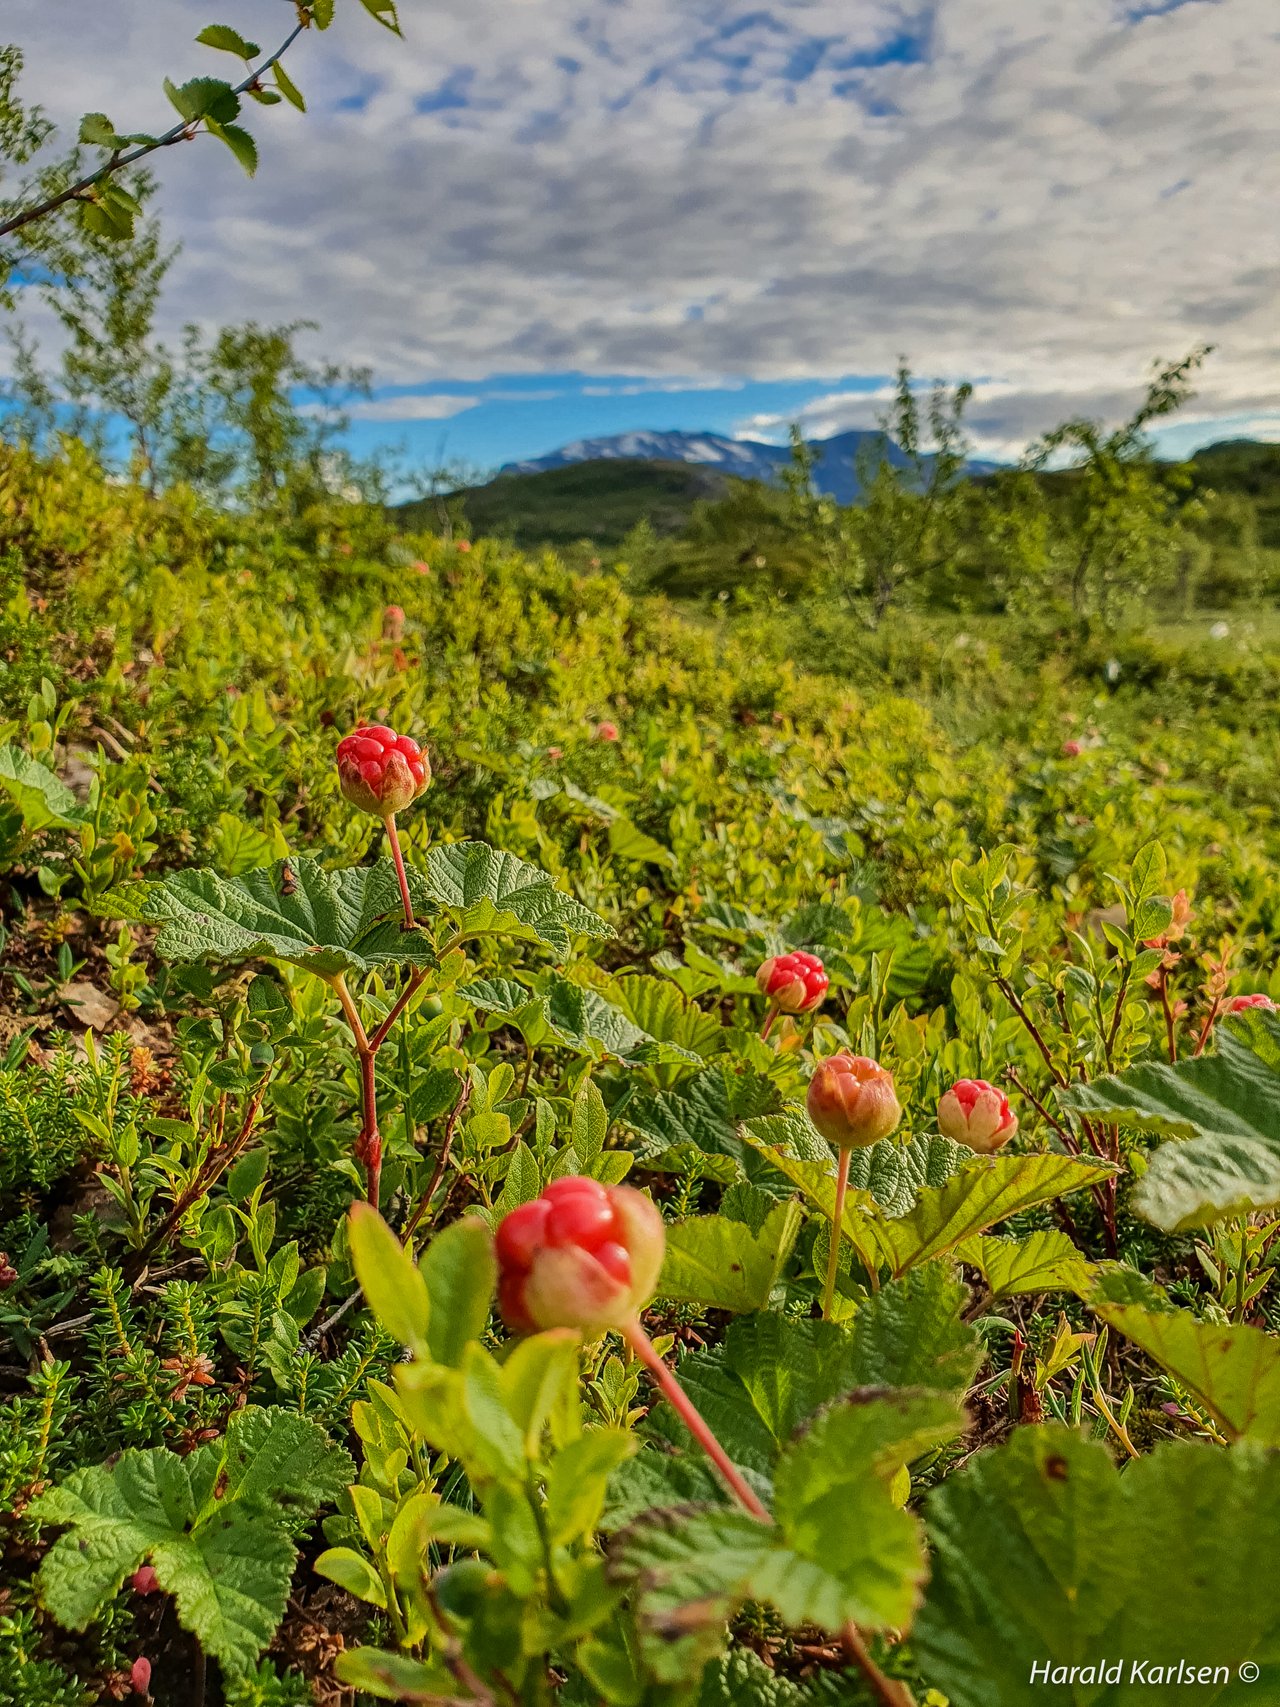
(538, 220)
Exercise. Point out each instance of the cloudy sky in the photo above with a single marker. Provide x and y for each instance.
(542, 219)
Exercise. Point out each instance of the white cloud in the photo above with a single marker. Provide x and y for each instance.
(650, 187)
(435, 407)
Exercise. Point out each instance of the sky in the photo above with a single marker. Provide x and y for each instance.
(540, 220)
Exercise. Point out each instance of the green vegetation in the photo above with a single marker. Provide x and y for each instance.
(598, 502)
(445, 1254)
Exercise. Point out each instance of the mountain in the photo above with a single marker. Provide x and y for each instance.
(838, 461)
(601, 500)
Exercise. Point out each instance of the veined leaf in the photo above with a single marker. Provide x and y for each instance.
(576, 1016)
(215, 1525)
(1046, 1261)
(43, 799)
(839, 1550)
(229, 41)
(294, 911)
(988, 1190)
(893, 1172)
(1233, 1371)
(702, 1116)
(393, 1285)
(487, 891)
(1043, 1555)
(1226, 1107)
(724, 1264)
(461, 1275)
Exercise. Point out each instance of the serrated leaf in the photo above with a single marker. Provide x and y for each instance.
(989, 1189)
(229, 41)
(893, 1172)
(239, 141)
(43, 799)
(204, 98)
(1233, 1371)
(97, 131)
(1043, 1555)
(723, 1264)
(288, 88)
(215, 1525)
(294, 911)
(1046, 1261)
(703, 1115)
(663, 1013)
(487, 890)
(385, 12)
(1227, 1108)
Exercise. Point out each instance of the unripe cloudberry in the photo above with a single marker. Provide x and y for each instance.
(852, 1101)
(582, 1255)
(977, 1114)
(381, 772)
(796, 982)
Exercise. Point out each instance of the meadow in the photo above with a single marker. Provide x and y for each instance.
(1012, 1399)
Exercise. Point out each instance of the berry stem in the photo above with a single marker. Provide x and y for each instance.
(402, 877)
(368, 1147)
(837, 1224)
(685, 1409)
(769, 1018)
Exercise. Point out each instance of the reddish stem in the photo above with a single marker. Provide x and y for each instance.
(768, 1022)
(837, 1223)
(369, 1144)
(685, 1409)
(402, 877)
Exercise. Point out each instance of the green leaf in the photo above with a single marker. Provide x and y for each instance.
(703, 1116)
(840, 1549)
(215, 1525)
(1227, 1107)
(1046, 1261)
(288, 88)
(385, 12)
(989, 1189)
(321, 13)
(833, 1504)
(97, 131)
(43, 799)
(224, 37)
(351, 1571)
(204, 98)
(724, 1264)
(578, 1478)
(461, 1274)
(1043, 1555)
(487, 891)
(1233, 1371)
(389, 1676)
(239, 141)
(572, 1014)
(894, 1173)
(393, 1287)
(662, 1013)
(295, 911)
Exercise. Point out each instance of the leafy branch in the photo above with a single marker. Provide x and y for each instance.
(205, 104)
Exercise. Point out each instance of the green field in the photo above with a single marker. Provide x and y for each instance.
(979, 822)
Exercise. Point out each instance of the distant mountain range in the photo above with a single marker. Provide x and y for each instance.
(838, 461)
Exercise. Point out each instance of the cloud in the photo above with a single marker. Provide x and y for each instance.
(669, 188)
(437, 406)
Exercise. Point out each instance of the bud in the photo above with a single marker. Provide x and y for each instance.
(796, 983)
(1242, 1004)
(975, 1113)
(1071, 749)
(852, 1101)
(393, 622)
(143, 1580)
(381, 772)
(582, 1255)
(140, 1675)
(606, 731)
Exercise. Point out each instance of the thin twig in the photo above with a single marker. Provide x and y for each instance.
(442, 1162)
(184, 131)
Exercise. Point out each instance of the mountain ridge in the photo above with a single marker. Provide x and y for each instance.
(837, 461)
